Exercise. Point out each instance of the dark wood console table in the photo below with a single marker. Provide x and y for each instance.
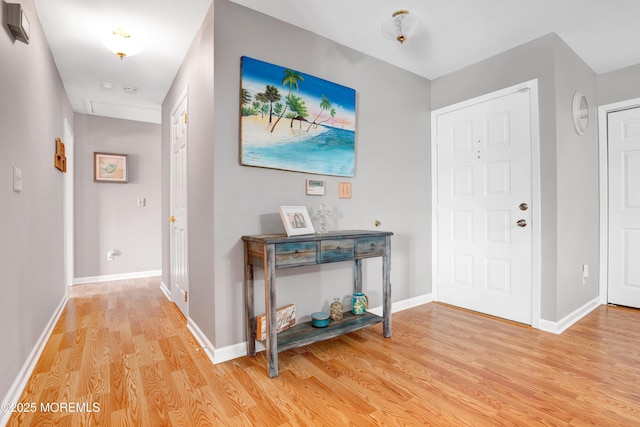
(273, 252)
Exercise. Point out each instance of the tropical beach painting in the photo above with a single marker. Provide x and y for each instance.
(293, 121)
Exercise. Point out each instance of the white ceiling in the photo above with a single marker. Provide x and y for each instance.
(452, 35)
(73, 28)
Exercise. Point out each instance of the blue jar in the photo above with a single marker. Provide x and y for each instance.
(359, 303)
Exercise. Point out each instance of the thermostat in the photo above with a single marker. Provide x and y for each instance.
(315, 187)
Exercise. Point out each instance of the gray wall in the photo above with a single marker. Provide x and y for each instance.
(391, 182)
(619, 85)
(33, 106)
(106, 214)
(566, 160)
(196, 74)
(578, 217)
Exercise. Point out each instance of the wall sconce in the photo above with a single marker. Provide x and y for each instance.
(400, 26)
(121, 42)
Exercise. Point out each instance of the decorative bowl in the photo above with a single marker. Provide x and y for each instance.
(319, 319)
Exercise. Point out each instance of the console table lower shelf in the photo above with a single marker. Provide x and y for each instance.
(303, 333)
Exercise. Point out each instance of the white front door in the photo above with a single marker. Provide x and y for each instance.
(178, 207)
(484, 197)
(624, 207)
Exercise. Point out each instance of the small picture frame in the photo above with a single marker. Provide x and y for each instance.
(296, 220)
(109, 167)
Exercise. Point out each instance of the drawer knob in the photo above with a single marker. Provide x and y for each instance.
(296, 253)
(339, 250)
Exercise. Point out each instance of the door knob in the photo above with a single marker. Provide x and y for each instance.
(522, 223)
(523, 206)
(172, 219)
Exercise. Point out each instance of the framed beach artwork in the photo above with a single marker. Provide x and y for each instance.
(293, 121)
(110, 167)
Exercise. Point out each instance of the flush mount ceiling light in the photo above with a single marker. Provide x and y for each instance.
(400, 26)
(121, 42)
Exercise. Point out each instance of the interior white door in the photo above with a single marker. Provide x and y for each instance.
(624, 207)
(484, 193)
(178, 207)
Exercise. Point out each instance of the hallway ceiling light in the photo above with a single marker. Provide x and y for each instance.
(400, 26)
(121, 42)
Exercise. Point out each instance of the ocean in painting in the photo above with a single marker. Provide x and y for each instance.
(327, 153)
(293, 121)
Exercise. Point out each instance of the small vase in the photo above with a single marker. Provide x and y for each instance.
(336, 310)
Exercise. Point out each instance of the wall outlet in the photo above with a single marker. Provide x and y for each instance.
(141, 202)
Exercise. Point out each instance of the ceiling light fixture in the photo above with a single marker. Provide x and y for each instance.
(400, 26)
(121, 42)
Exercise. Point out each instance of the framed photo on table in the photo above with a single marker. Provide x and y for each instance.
(296, 220)
(109, 167)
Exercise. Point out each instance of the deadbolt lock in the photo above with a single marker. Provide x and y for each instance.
(523, 206)
(522, 223)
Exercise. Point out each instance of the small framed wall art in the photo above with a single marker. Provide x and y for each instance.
(108, 167)
(296, 220)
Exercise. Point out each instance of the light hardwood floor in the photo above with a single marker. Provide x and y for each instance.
(125, 348)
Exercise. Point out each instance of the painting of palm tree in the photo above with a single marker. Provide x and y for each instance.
(318, 133)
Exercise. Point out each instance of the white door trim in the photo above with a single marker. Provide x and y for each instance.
(69, 221)
(536, 261)
(603, 129)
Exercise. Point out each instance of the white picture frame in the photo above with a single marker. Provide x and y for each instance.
(296, 220)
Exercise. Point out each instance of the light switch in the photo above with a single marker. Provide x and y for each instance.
(17, 179)
(141, 202)
(344, 190)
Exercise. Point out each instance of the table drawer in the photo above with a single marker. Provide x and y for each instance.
(297, 253)
(371, 246)
(336, 250)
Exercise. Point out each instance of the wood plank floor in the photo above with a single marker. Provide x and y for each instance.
(122, 348)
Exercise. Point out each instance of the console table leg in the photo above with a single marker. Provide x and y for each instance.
(270, 303)
(357, 276)
(386, 291)
(250, 326)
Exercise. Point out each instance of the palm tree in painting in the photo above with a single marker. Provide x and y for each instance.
(262, 99)
(324, 105)
(277, 108)
(298, 109)
(272, 95)
(290, 79)
(245, 99)
(332, 112)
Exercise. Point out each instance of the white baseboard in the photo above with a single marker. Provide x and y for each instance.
(165, 290)
(205, 344)
(19, 384)
(111, 277)
(405, 304)
(565, 323)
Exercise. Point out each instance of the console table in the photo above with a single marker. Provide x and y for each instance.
(273, 252)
